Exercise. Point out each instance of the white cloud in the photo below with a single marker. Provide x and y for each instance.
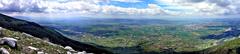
(80, 7)
(202, 7)
(92, 8)
(131, 1)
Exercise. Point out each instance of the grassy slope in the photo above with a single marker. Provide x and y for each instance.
(230, 47)
(25, 40)
(46, 33)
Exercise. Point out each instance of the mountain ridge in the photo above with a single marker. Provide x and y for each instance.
(46, 33)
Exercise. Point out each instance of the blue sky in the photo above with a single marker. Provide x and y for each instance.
(142, 4)
(121, 8)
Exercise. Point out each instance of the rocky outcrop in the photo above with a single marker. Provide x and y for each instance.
(22, 43)
(9, 41)
(4, 51)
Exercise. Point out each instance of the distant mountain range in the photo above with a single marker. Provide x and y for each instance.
(47, 34)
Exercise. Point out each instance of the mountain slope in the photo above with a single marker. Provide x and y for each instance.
(229, 47)
(47, 34)
(27, 44)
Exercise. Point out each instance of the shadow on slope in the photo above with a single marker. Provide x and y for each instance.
(47, 34)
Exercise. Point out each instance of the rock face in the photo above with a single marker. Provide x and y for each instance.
(4, 51)
(9, 41)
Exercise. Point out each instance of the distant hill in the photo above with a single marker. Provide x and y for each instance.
(48, 34)
(229, 47)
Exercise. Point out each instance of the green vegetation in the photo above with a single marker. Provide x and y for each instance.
(125, 36)
(25, 40)
(230, 47)
(152, 36)
(46, 33)
(149, 37)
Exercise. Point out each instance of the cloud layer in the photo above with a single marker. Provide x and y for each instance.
(206, 7)
(102, 8)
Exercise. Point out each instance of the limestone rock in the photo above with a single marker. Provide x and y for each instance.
(4, 51)
(33, 48)
(69, 48)
(1, 28)
(83, 52)
(40, 52)
(9, 41)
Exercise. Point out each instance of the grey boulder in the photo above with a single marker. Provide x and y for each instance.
(4, 51)
(9, 41)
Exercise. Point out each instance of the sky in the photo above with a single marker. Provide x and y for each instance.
(121, 8)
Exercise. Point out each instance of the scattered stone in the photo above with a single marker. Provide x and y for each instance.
(17, 37)
(4, 51)
(68, 52)
(9, 41)
(69, 48)
(27, 34)
(83, 52)
(33, 48)
(29, 50)
(1, 28)
(40, 52)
